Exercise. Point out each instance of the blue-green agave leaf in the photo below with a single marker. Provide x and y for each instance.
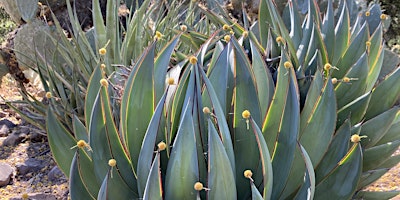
(265, 161)
(377, 155)
(220, 173)
(377, 127)
(147, 151)
(308, 188)
(77, 188)
(153, 189)
(182, 171)
(337, 150)
(138, 104)
(342, 181)
(60, 141)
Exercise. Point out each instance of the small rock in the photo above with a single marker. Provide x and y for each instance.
(24, 130)
(30, 165)
(5, 174)
(35, 136)
(5, 126)
(55, 174)
(12, 140)
(40, 196)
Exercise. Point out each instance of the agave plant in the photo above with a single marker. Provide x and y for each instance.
(286, 111)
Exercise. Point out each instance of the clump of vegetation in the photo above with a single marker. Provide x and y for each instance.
(6, 25)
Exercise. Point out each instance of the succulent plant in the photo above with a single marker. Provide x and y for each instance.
(283, 108)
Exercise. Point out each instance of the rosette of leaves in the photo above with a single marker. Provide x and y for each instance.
(288, 110)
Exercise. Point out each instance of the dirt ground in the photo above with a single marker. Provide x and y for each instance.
(37, 184)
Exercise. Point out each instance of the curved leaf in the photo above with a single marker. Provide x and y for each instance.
(220, 173)
(60, 141)
(146, 153)
(153, 189)
(182, 171)
(342, 181)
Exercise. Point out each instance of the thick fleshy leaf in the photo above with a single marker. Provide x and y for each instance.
(376, 195)
(263, 78)
(347, 92)
(354, 110)
(161, 66)
(77, 189)
(153, 189)
(219, 75)
(391, 162)
(393, 133)
(113, 141)
(384, 95)
(371, 176)
(92, 92)
(182, 171)
(375, 58)
(377, 127)
(377, 155)
(245, 98)
(220, 173)
(342, 32)
(255, 194)
(60, 141)
(222, 124)
(328, 30)
(137, 104)
(265, 161)
(317, 122)
(307, 190)
(342, 181)
(147, 151)
(98, 23)
(114, 187)
(353, 53)
(282, 125)
(87, 174)
(337, 150)
(79, 129)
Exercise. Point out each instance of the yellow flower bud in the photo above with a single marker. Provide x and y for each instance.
(226, 27)
(206, 110)
(102, 66)
(346, 79)
(327, 66)
(193, 60)
(102, 51)
(334, 80)
(279, 39)
(368, 43)
(245, 34)
(248, 173)
(367, 14)
(198, 186)
(227, 38)
(104, 82)
(246, 114)
(81, 144)
(183, 28)
(287, 65)
(356, 138)
(48, 95)
(161, 146)
(383, 16)
(112, 162)
(170, 81)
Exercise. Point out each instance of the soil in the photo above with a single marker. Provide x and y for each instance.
(36, 184)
